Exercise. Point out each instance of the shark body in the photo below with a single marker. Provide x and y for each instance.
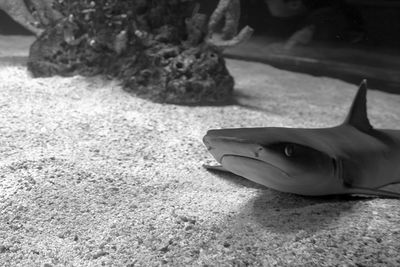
(352, 158)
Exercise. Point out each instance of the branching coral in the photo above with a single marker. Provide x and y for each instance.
(161, 50)
(228, 11)
(43, 11)
(32, 14)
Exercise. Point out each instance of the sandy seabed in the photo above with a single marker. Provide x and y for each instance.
(93, 176)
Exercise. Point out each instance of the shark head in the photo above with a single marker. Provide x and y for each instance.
(296, 160)
(283, 159)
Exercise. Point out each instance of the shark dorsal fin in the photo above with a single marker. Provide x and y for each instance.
(357, 116)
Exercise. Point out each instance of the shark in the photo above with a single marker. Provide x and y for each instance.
(351, 158)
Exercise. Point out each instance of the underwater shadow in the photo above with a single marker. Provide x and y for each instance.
(235, 100)
(13, 61)
(284, 213)
(280, 212)
(251, 102)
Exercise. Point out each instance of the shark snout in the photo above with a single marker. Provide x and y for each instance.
(220, 146)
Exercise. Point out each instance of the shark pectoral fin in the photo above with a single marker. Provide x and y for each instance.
(215, 168)
(374, 192)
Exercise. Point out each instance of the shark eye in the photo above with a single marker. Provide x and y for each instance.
(289, 150)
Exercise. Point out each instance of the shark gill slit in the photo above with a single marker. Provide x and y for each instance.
(337, 168)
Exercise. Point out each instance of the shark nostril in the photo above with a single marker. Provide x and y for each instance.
(208, 145)
(257, 153)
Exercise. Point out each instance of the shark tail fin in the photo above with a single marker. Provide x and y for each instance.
(357, 116)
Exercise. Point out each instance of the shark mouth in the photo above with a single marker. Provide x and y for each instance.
(258, 171)
(229, 159)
